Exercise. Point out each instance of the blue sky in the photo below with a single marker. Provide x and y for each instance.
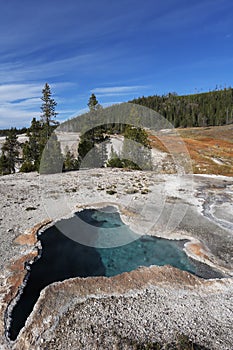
(116, 49)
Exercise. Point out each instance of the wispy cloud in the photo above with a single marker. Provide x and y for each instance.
(18, 72)
(14, 92)
(10, 116)
(118, 90)
(19, 103)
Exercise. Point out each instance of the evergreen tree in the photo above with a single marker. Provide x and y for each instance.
(114, 160)
(48, 113)
(136, 134)
(52, 159)
(4, 168)
(85, 145)
(33, 148)
(70, 162)
(39, 135)
(93, 104)
(96, 140)
(10, 152)
(136, 152)
(200, 109)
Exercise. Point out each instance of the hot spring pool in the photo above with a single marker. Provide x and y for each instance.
(62, 258)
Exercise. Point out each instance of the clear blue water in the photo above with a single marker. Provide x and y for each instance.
(142, 251)
(62, 258)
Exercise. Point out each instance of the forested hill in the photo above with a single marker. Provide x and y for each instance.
(202, 109)
(5, 132)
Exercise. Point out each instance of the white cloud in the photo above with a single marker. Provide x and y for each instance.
(15, 117)
(117, 94)
(62, 85)
(118, 90)
(14, 92)
(19, 103)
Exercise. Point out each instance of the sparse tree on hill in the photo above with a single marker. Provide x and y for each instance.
(93, 103)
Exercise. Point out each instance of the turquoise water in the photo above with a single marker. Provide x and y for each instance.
(142, 251)
(62, 258)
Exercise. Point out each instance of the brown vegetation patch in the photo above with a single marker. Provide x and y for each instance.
(210, 149)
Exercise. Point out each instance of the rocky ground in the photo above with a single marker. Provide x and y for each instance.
(150, 304)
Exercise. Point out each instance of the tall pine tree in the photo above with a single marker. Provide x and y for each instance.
(48, 116)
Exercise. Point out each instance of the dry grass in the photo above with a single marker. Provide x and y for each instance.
(211, 149)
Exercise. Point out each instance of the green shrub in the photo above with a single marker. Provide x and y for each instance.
(115, 163)
(27, 167)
